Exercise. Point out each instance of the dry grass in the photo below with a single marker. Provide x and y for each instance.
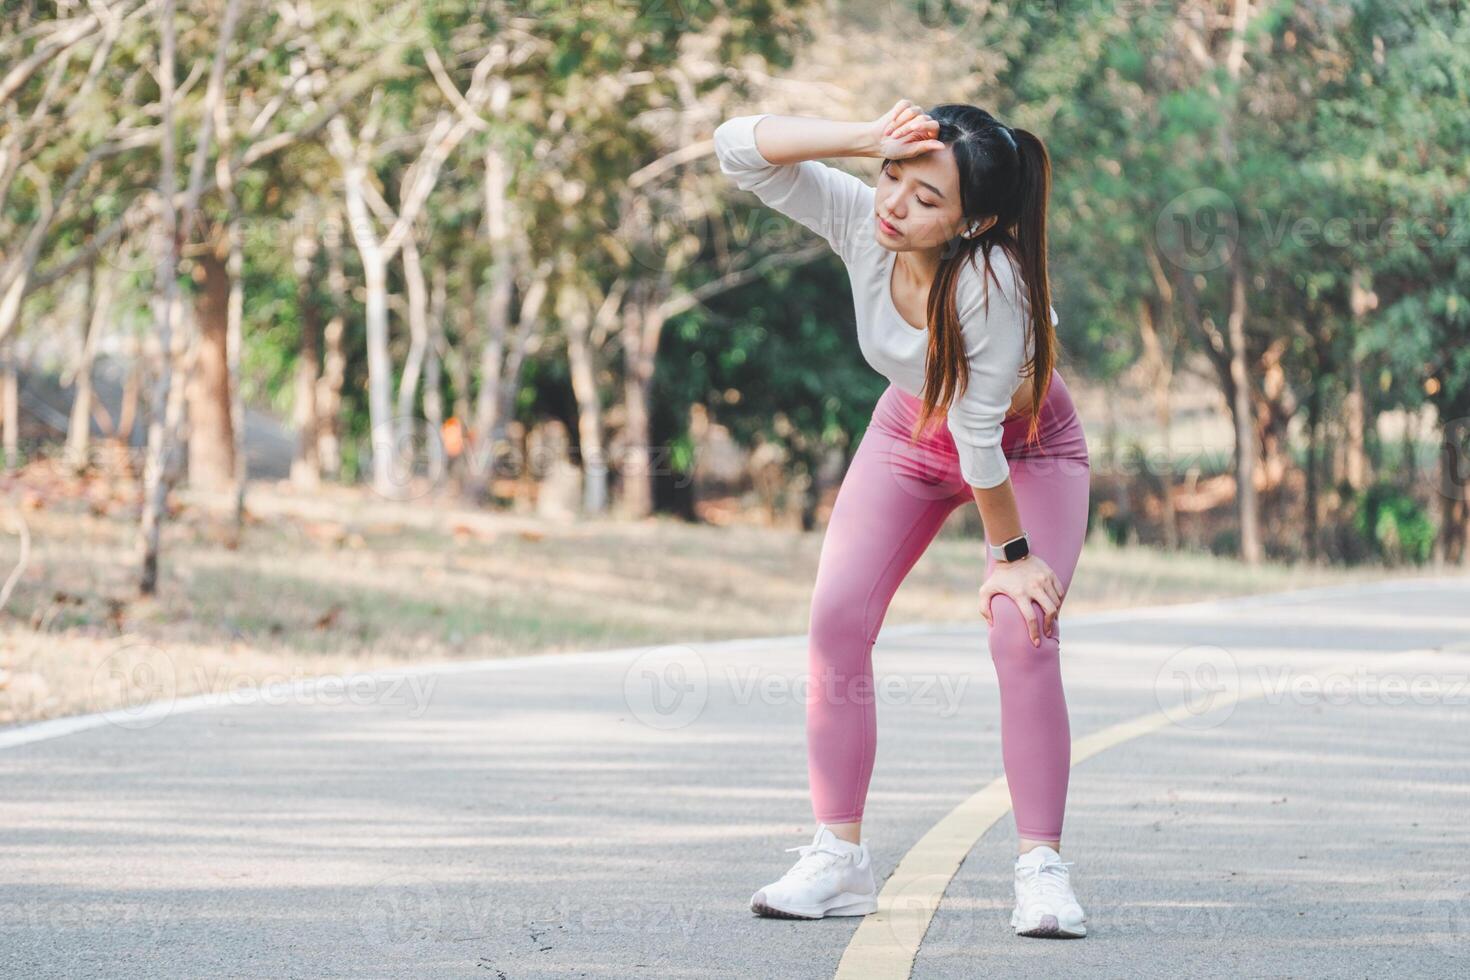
(340, 581)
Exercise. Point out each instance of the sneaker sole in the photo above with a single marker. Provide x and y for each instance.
(856, 906)
(1048, 928)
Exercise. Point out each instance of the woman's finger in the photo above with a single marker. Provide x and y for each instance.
(926, 126)
(1032, 626)
(917, 127)
(986, 591)
(902, 110)
(1049, 612)
(1049, 584)
(906, 150)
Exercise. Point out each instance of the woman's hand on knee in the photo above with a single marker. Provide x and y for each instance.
(1027, 580)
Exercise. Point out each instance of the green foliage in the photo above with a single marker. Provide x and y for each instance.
(1394, 524)
(1340, 149)
(777, 361)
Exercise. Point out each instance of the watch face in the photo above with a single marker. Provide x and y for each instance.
(1016, 550)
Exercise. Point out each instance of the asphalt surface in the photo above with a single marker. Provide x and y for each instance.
(609, 815)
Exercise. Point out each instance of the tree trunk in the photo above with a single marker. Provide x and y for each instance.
(306, 468)
(1274, 410)
(234, 340)
(79, 428)
(10, 403)
(488, 425)
(1409, 447)
(577, 322)
(527, 327)
(1452, 546)
(1454, 543)
(1160, 362)
(444, 135)
(132, 393)
(405, 435)
(380, 368)
(1314, 424)
(176, 224)
(433, 379)
(1355, 451)
(639, 334)
(459, 363)
(1245, 442)
(380, 408)
(166, 244)
(334, 362)
(211, 434)
(1356, 468)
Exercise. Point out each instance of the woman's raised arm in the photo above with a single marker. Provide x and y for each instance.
(772, 156)
(793, 139)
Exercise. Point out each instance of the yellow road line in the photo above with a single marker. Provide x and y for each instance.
(887, 941)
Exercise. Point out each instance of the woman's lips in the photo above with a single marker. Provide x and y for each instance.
(887, 228)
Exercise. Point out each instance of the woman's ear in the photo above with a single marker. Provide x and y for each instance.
(976, 227)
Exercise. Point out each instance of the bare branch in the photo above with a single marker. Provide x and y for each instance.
(213, 95)
(681, 302)
(53, 47)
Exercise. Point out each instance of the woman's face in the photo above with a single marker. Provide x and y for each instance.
(918, 202)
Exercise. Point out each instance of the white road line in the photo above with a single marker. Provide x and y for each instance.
(61, 727)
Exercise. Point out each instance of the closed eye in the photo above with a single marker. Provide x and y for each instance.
(886, 172)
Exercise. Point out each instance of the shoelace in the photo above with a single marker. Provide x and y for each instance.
(1052, 884)
(810, 868)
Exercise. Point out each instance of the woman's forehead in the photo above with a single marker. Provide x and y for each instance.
(935, 167)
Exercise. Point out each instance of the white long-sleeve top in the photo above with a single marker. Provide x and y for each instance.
(839, 206)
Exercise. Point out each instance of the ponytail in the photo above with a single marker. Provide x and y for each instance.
(1030, 239)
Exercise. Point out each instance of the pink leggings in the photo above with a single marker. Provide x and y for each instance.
(892, 502)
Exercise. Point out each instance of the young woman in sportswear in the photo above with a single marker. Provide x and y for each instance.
(947, 260)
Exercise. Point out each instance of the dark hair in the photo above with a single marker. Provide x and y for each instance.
(1004, 172)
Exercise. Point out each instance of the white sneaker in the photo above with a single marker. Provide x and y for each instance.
(1045, 905)
(832, 877)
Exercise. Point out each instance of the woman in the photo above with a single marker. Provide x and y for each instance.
(959, 208)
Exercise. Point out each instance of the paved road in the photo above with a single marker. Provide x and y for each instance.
(1301, 813)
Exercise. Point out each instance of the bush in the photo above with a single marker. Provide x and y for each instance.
(1394, 524)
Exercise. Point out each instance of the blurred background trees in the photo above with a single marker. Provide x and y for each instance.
(480, 251)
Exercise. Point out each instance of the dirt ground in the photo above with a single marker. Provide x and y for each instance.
(339, 580)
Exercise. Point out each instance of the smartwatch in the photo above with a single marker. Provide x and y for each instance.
(1013, 550)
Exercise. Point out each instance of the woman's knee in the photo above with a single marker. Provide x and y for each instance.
(1010, 637)
(839, 620)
